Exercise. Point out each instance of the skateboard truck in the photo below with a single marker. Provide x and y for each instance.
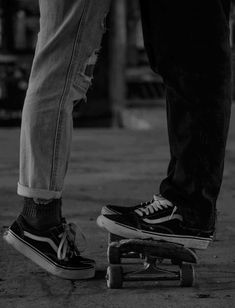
(153, 253)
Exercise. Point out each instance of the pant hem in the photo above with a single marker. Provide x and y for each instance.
(37, 193)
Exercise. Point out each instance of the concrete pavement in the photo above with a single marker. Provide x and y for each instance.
(124, 167)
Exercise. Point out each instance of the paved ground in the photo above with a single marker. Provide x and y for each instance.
(121, 166)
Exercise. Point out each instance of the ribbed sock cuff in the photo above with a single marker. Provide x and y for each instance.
(34, 210)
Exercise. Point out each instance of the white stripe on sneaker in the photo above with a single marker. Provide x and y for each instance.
(163, 219)
(41, 239)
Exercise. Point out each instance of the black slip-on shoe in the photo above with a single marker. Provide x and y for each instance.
(171, 230)
(55, 250)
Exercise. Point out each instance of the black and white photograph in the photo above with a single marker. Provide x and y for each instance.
(117, 153)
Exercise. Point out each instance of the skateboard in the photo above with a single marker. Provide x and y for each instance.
(159, 261)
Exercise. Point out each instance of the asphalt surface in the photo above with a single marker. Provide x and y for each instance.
(124, 167)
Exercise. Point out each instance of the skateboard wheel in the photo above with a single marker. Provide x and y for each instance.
(187, 275)
(114, 277)
(113, 255)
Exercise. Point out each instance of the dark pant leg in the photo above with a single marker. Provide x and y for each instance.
(188, 44)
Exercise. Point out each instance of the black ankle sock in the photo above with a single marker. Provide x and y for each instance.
(42, 216)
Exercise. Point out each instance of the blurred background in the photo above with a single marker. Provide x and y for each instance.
(126, 99)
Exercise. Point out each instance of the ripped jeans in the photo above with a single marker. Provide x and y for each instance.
(68, 42)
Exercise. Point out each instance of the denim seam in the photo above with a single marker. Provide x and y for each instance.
(63, 97)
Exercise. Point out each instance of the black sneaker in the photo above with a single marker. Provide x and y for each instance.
(157, 210)
(55, 250)
(144, 226)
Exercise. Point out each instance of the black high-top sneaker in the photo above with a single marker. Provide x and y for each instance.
(158, 220)
(55, 250)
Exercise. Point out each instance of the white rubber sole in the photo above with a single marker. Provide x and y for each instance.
(125, 231)
(33, 254)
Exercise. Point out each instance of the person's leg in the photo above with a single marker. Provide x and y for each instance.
(66, 53)
(188, 44)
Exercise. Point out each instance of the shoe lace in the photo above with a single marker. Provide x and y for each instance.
(158, 203)
(72, 242)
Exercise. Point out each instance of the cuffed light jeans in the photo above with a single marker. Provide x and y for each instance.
(66, 52)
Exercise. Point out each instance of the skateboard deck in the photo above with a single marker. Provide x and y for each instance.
(154, 256)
